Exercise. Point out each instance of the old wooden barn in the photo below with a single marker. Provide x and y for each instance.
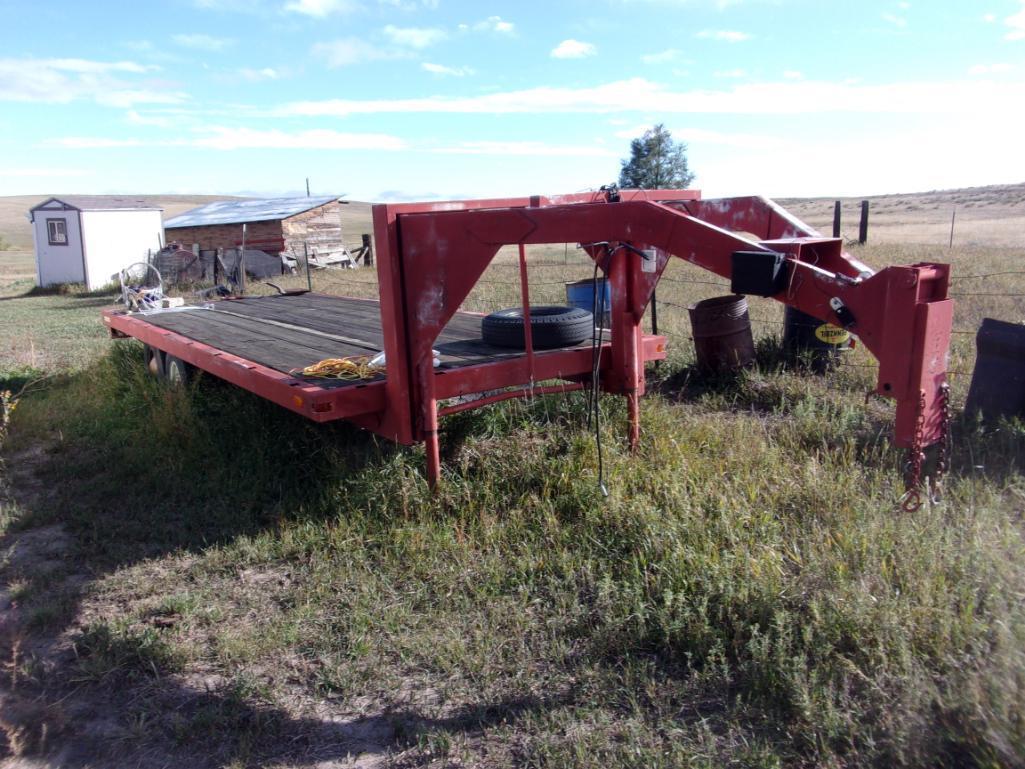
(289, 227)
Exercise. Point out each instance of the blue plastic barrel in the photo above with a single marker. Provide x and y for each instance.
(581, 294)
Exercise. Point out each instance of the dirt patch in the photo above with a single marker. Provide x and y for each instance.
(21, 470)
(58, 710)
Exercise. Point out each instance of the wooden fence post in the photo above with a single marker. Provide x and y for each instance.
(863, 227)
(368, 254)
(836, 219)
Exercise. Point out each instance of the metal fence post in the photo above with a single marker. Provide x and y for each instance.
(309, 275)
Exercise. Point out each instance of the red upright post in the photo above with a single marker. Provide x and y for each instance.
(634, 373)
(625, 339)
(429, 413)
(528, 336)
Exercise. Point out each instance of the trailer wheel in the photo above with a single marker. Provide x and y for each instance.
(154, 360)
(178, 372)
(550, 326)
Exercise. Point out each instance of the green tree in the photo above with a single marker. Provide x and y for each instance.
(656, 162)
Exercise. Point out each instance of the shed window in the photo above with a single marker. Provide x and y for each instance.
(57, 232)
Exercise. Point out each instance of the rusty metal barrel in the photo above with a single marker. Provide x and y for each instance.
(813, 342)
(721, 329)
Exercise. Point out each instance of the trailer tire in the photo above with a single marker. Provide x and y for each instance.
(551, 326)
(178, 372)
(153, 359)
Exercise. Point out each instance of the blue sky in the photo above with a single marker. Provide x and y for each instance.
(408, 99)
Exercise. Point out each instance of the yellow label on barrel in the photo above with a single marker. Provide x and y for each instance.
(831, 334)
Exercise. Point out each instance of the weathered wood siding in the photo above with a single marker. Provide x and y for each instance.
(320, 228)
(213, 236)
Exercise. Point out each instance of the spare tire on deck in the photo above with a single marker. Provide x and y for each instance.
(551, 326)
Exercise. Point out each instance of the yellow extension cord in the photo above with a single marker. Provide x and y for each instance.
(353, 368)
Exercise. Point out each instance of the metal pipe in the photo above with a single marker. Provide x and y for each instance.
(429, 412)
(528, 335)
(524, 392)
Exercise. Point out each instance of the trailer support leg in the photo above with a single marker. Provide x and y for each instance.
(626, 341)
(433, 452)
(633, 409)
(430, 420)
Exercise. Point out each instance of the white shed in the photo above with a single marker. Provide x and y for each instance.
(88, 239)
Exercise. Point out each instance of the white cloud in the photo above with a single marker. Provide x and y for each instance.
(441, 69)
(353, 50)
(989, 18)
(732, 73)
(641, 95)
(793, 74)
(250, 138)
(410, 5)
(129, 97)
(989, 69)
(723, 35)
(202, 42)
(697, 136)
(85, 66)
(136, 118)
(536, 149)
(493, 24)
(96, 142)
(255, 75)
(573, 49)
(414, 37)
(897, 21)
(321, 8)
(44, 173)
(239, 6)
(223, 138)
(66, 80)
(1016, 22)
(662, 57)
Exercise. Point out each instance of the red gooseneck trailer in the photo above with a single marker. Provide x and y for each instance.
(430, 256)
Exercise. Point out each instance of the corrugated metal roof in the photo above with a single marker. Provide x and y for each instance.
(101, 203)
(239, 211)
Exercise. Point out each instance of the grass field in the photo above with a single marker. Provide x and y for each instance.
(201, 579)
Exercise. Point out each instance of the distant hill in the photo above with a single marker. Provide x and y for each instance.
(990, 216)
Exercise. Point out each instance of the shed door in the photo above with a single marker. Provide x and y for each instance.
(58, 247)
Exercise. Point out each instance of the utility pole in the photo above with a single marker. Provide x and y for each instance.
(307, 186)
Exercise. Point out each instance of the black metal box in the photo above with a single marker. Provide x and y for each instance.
(758, 273)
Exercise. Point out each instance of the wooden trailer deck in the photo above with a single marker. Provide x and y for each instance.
(261, 343)
(289, 332)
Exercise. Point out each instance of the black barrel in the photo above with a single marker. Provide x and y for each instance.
(722, 333)
(998, 381)
(813, 342)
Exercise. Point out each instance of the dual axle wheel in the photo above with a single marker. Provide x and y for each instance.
(165, 366)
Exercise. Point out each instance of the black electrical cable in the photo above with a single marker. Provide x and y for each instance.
(597, 339)
(592, 391)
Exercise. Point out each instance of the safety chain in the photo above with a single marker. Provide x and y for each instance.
(943, 458)
(912, 499)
